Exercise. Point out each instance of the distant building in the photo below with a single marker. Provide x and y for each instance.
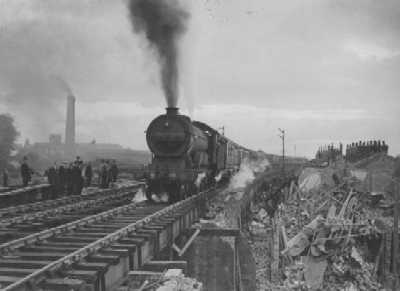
(54, 150)
(329, 153)
(55, 139)
(363, 149)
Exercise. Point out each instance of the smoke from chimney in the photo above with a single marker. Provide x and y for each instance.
(63, 85)
(162, 22)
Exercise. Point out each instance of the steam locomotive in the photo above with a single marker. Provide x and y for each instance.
(188, 156)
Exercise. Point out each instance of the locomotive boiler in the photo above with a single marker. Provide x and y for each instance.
(187, 156)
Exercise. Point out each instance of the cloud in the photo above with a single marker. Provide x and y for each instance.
(237, 110)
(372, 52)
(326, 70)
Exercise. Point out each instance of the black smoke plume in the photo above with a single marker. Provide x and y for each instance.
(63, 84)
(162, 22)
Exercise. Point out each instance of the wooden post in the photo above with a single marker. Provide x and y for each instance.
(370, 181)
(282, 136)
(275, 250)
(395, 236)
(236, 266)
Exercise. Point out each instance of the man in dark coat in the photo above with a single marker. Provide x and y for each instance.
(62, 179)
(114, 171)
(109, 174)
(52, 179)
(25, 172)
(88, 174)
(69, 179)
(5, 178)
(77, 179)
(103, 175)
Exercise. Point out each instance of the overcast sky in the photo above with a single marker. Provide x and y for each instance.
(325, 70)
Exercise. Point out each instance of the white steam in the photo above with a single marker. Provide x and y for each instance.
(247, 172)
(199, 179)
(139, 196)
(218, 177)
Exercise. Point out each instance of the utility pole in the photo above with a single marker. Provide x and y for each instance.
(282, 136)
(222, 128)
(395, 236)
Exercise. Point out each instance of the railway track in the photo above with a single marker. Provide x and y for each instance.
(25, 195)
(97, 251)
(32, 221)
(27, 208)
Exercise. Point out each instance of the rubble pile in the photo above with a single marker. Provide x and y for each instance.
(176, 281)
(327, 249)
(169, 280)
(326, 225)
(222, 209)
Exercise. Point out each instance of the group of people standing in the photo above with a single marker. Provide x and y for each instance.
(69, 178)
(108, 173)
(77, 175)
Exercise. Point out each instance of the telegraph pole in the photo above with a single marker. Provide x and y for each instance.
(395, 236)
(282, 136)
(222, 128)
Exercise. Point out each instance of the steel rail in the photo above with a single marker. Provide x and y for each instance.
(103, 242)
(30, 239)
(37, 206)
(24, 189)
(64, 208)
(34, 206)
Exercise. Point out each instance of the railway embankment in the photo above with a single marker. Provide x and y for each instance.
(220, 256)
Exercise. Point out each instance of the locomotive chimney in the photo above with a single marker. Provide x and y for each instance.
(172, 110)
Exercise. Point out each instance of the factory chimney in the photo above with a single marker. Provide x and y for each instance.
(70, 127)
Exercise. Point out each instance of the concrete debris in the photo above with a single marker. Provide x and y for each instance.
(262, 214)
(356, 255)
(359, 174)
(311, 182)
(314, 272)
(350, 287)
(325, 238)
(173, 273)
(335, 221)
(174, 280)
